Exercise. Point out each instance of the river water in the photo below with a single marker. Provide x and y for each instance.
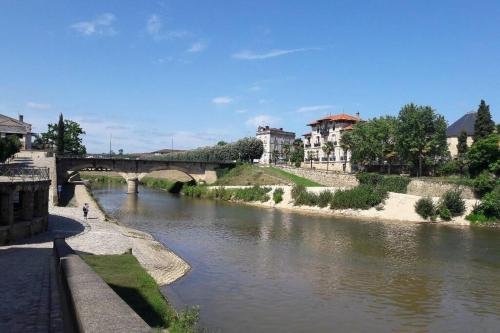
(263, 270)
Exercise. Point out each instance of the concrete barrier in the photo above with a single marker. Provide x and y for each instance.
(88, 303)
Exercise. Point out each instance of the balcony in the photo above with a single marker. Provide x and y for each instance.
(317, 144)
(307, 145)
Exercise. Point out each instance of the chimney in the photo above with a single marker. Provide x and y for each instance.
(357, 115)
(281, 128)
(21, 118)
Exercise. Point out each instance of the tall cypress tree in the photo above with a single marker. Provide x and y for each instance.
(484, 125)
(462, 144)
(60, 135)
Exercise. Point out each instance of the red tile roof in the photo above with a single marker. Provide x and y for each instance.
(347, 128)
(307, 134)
(337, 117)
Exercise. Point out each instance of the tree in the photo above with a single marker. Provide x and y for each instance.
(328, 148)
(462, 150)
(346, 143)
(287, 148)
(71, 141)
(298, 152)
(9, 145)
(120, 152)
(484, 125)
(310, 157)
(275, 156)
(421, 137)
(483, 154)
(60, 135)
(250, 149)
(221, 143)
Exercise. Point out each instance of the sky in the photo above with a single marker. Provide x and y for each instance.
(149, 73)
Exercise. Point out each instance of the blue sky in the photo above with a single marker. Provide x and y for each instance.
(203, 71)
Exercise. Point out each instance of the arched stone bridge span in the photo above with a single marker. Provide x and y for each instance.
(134, 170)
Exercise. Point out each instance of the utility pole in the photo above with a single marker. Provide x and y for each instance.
(110, 137)
(172, 150)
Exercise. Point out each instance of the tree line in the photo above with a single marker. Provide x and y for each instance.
(416, 138)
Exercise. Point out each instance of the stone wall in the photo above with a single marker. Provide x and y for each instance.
(427, 188)
(335, 179)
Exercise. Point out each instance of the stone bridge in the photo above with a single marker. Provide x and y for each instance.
(134, 170)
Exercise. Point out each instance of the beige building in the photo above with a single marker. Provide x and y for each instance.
(274, 139)
(465, 123)
(329, 129)
(11, 126)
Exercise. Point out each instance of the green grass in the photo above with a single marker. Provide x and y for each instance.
(251, 174)
(293, 178)
(137, 288)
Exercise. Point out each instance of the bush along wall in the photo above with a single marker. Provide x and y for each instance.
(449, 206)
(249, 194)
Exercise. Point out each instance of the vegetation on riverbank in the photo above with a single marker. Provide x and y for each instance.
(162, 184)
(449, 205)
(255, 193)
(103, 178)
(137, 288)
(251, 174)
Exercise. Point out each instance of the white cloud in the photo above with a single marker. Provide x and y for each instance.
(221, 100)
(101, 25)
(250, 55)
(38, 106)
(154, 27)
(261, 120)
(314, 108)
(197, 47)
(241, 111)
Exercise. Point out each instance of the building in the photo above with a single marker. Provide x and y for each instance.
(465, 123)
(329, 129)
(11, 126)
(274, 139)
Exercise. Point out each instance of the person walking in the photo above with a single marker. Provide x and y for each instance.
(85, 210)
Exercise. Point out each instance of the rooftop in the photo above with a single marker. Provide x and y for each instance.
(466, 122)
(337, 117)
(13, 126)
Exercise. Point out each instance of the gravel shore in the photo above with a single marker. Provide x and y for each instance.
(103, 237)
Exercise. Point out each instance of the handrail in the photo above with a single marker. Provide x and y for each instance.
(152, 158)
(25, 173)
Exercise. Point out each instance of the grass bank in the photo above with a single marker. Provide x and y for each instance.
(137, 288)
(251, 174)
(103, 178)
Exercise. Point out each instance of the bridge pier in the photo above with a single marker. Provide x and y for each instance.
(132, 185)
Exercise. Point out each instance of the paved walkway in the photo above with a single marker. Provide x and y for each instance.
(29, 296)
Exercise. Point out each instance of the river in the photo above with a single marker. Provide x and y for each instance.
(264, 270)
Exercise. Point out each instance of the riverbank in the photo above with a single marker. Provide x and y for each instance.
(105, 238)
(397, 208)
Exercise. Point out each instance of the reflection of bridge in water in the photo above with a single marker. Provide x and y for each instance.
(133, 170)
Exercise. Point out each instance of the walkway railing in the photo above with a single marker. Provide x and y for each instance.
(15, 172)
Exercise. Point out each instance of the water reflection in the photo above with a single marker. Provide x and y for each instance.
(261, 270)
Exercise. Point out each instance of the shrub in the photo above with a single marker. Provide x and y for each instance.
(255, 193)
(302, 197)
(452, 202)
(396, 184)
(425, 208)
(445, 214)
(449, 168)
(484, 183)
(361, 197)
(278, 195)
(488, 209)
(222, 193)
(195, 191)
(325, 198)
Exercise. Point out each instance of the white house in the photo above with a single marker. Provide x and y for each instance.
(274, 139)
(329, 129)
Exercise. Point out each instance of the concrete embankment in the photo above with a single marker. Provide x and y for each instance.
(102, 237)
(398, 207)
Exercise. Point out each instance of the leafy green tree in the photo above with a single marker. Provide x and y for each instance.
(250, 149)
(328, 149)
(221, 143)
(60, 131)
(9, 145)
(120, 152)
(421, 137)
(484, 125)
(298, 152)
(71, 141)
(310, 157)
(483, 154)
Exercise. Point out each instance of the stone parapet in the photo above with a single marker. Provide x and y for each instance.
(335, 179)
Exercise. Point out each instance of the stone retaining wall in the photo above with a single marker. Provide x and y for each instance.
(427, 188)
(322, 177)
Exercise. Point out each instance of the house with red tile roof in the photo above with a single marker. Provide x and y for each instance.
(329, 129)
